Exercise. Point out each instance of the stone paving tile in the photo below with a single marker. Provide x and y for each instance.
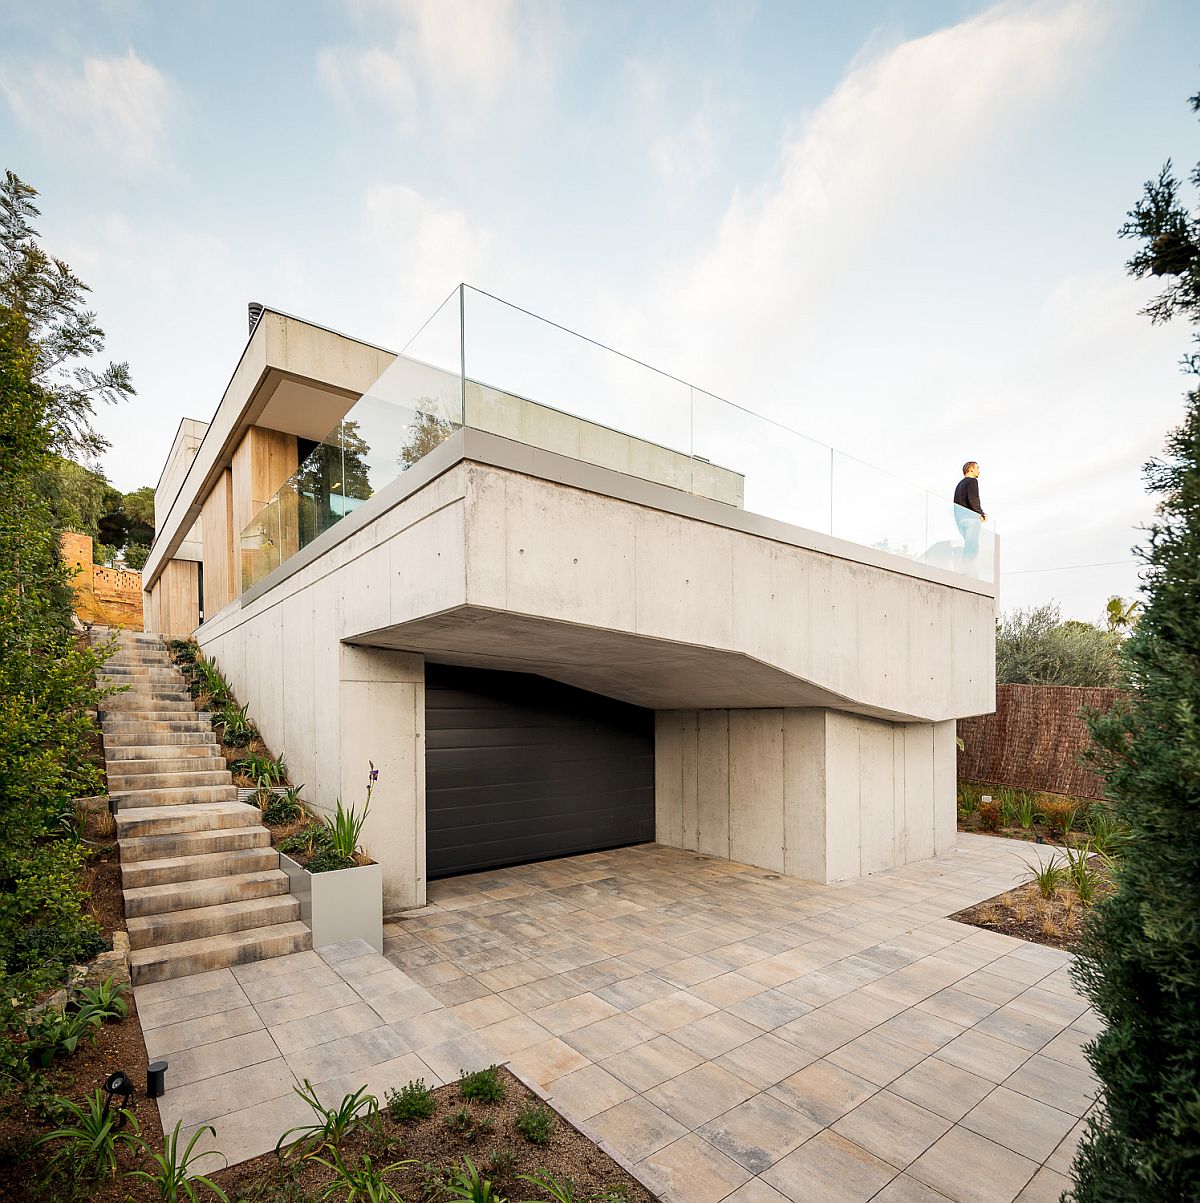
(968, 1168)
(758, 1132)
(191, 1033)
(636, 1128)
(699, 1094)
(586, 1092)
(313, 1030)
(690, 1170)
(830, 1168)
(759, 1010)
(892, 1128)
(823, 1092)
(195, 1006)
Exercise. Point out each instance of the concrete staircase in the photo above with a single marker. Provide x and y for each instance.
(202, 884)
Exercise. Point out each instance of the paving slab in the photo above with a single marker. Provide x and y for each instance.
(728, 1037)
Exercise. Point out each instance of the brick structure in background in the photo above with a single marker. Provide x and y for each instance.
(111, 597)
(1035, 740)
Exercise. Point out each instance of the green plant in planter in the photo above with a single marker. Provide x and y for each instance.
(286, 809)
(331, 1125)
(411, 1102)
(360, 1182)
(108, 998)
(265, 771)
(308, 841)
(236, 728)
(327, 860)
(347, 824)
(87, 1141)
(482, 1086)
(172, 1176)
(535, 1122)
(56, 1033)
(469, 1186)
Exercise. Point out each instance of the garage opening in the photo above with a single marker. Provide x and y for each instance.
(519, 768)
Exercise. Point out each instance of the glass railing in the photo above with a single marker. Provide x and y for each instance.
(483, 363)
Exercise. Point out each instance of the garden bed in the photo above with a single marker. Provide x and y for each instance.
(486, 1132)
(1029, 912)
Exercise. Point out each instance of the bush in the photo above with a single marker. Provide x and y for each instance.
(328, 860)
(279, 811)
(989, 815)
(411, 1102)
(1035, 647)
(482, 1086)
(535, 1122)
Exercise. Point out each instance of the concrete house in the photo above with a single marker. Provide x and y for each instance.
(564, 602)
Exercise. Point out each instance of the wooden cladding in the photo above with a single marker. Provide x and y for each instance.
(262, 462)
(216, 519)
(176, 599)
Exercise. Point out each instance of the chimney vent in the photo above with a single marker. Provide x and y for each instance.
(256, 312)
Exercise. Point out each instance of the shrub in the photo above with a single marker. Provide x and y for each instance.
(328, 860)
(410, 1103)
(57, 1033)
(1036, 647)
(468, 1186)
(467, 1125)
(88, 1140)
(306, 842)
(172, 1176)
(535, 1122)
(331, 1124)
(989, 815)
(1048, 877)
(1058, 814)
(482, 1086)
(264, 771)
(1139, 960)
(279, 811)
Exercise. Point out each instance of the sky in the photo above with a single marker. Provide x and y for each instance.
(890, 226)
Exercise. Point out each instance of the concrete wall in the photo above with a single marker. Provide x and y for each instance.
(812, 793)
(471, 562)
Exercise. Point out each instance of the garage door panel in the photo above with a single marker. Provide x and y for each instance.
(519, 768)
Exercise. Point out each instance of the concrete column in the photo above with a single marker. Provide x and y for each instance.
(383, 721)
(814, 793)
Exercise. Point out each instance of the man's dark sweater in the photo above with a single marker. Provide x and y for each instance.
(967, 494)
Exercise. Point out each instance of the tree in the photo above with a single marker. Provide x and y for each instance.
(80, 498)
(1035, 647)
(61, 334)
(1121, 615)
(136, 555)
(426, 432)
(1140, 959)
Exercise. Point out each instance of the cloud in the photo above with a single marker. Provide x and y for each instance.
(121, 107)
(424, 249)
(461, 58)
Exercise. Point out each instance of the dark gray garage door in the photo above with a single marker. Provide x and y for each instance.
(519, 768)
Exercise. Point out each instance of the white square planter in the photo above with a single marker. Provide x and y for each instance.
(344, 904)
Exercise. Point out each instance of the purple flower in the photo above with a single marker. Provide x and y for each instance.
(374, 775)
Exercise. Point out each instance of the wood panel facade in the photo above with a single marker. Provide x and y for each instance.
(264, 459)
(174, 602)
(216, 519)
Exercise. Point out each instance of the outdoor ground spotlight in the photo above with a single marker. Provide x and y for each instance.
(156, 1073)
(115, 1084)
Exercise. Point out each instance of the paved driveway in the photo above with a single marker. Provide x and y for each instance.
(733, 1034)
(723, 1031)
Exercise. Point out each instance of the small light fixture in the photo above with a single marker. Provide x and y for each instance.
(118, 1083)
(114, 804)
(770, 877)
(156, 1073)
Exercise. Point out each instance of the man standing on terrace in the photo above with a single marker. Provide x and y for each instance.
(968, 512)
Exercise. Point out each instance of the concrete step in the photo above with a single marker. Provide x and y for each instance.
(126, 767)
(153, 739)
(177, 779)
(217, 952)
(137, 704)
(206, 747)
(172, 869)
(175, 927)
(144, 726)
(193, 843)
(209, 891)
(141, 821)
(174, 797)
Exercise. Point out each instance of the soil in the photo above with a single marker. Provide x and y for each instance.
(1026, 915)
(490, 1140)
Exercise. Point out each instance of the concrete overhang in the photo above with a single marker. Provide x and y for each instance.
(492, 553)
(292, 376)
